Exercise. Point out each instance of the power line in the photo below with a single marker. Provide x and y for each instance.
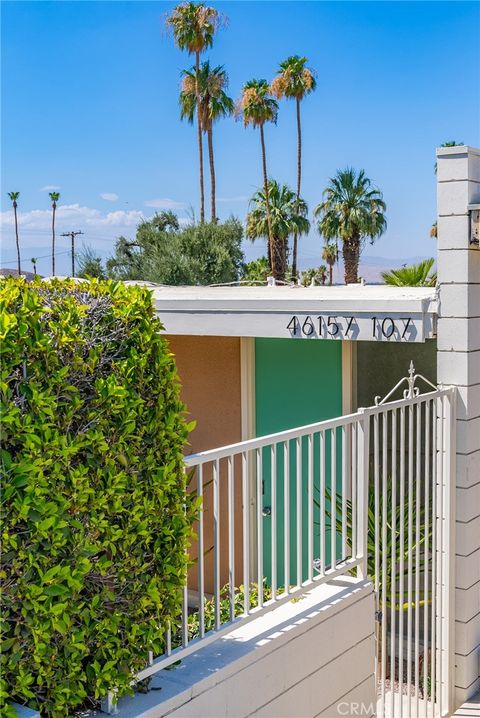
(72, 236)
(44, 256)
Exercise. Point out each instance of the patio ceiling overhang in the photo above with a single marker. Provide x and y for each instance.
(355, 312)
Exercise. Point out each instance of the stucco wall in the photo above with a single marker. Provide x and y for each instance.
(309, 658)
(209, 370)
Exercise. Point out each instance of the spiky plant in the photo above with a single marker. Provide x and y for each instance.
(417, 275)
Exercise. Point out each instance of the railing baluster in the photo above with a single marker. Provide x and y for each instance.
(401, 590)
(216, 540)
(258, 453)
(310, 506)
(345, 463)
(299, 511)
(433, 649)
(384, 520)
(246, 534)
(273, 474)
(323, 513)
(418, 456)
(426, 558)
(286, 512)
(201, 557)
(440, 552)
(231, 534)
(393, 559)
(410, 557)
(354, 504)
(333, 501)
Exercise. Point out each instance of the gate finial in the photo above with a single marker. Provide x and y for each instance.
(412, 390)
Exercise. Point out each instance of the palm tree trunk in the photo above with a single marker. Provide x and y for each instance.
(330, 267)
(212, 174)
(54, 205)
(199, 135)
(271, 242)
(16, 238)
(299, 181)
(351, 258)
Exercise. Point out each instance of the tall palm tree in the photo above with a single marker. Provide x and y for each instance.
(294, 80)
(352, 210)
(287, 214)
(54, 197)
(259, 107)
(214, 104)
(418, 275)
(193, 26)
(34, 262)
(13, 196)
(330, 255)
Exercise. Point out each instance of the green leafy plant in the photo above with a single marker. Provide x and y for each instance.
(417, 275)
(95, 514)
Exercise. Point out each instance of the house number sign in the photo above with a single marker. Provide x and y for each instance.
(375, 327)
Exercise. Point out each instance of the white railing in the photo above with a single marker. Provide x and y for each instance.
(367, 493)
(264, 531)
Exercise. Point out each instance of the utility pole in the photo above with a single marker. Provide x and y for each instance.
(72, 235)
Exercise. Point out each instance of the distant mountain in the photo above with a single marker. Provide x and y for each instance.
(371, 268)
(14, 273)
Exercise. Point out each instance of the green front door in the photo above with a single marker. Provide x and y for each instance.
(297, 382)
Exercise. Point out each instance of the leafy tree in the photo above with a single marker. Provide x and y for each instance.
(214, 104)
(258, 107)
(417, 275)
(434, 230)
(330, 254)
(352, 210)
(294, 80)
(54, 197)
(13, 196)
(196, 254)
(257, 271)
(287, 214)
(90, 264)
(317, 276)
(193, 26)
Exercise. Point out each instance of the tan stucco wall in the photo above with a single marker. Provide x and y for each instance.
(209, 370)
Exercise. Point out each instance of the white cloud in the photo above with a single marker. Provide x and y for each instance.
(69, 215)
(109, 196)
(164, 204)
(50, 188)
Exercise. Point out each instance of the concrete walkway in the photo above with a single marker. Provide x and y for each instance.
(469, 709)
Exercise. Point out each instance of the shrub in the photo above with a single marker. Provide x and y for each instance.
(95, 517)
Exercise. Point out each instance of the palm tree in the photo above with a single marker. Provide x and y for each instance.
(286, 214)
(214, 104)
(193, 26)
(330, 255)
(352, 211)
(258, 107)
(13, 196)
(418, 275)
(434, 230)
(294, 80)
(54, 196)
(34, 262)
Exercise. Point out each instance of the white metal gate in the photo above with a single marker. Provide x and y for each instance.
(368, 493)
(410, 517)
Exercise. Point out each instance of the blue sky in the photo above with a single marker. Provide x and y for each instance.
(89, 104)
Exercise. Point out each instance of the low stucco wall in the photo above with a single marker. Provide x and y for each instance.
(307, 658)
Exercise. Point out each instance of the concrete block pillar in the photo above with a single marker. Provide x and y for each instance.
(458, 364)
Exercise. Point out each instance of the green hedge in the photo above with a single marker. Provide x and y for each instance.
(95, 519)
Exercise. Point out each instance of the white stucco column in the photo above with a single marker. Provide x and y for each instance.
(458, 364)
